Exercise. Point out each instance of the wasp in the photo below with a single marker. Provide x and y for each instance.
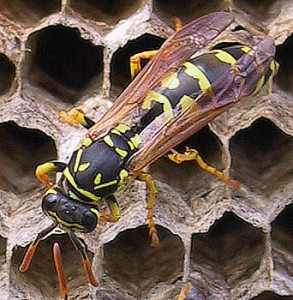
(174, 96)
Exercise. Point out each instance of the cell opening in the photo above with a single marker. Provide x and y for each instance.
(136, 267)
(63, 64)
(120, 71)
(110, 12)
(41, 275)
(186, 10)
(282, 244)
(284, 56)
(262, 156)
(21, 150)
(7, 74)
(192, 179)
(271, 296)
(260, 10)
(227, 254)
(28, 12)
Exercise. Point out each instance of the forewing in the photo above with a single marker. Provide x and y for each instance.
(175, 50)
(238, 82)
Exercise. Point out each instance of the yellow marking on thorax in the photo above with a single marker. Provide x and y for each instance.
(83, 167)
(97, 179)
(245, 49)
(87, 142)
(171, 81)
(196, 73)
(106, 184)
(71, 180)
(121, 152)
(77, 160)
(225, 57)
(107, 139)
(123, 179)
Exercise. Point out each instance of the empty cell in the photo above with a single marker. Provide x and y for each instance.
(21, 150)
(135, 267)
(262, 156)
(120, 70)
(186, 10)
(284, 56)
(227, 254)
(62, 63)
(28, 12)
(110, 12)
(7, 74)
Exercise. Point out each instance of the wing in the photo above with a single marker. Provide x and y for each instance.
(175, 50)
(239, 81)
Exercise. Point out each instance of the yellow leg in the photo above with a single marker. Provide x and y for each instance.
(178, 24)
(135, 61)
(42, 171)
(184, 291)
(147, 178)
(75, 117)
(115, 212)
(191, 154)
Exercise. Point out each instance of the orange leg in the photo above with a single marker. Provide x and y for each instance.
(147, 178)
(184, 291)
(178, 24)
(76, 117)
(191, 154)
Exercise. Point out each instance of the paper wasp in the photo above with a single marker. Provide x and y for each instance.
(174, 96)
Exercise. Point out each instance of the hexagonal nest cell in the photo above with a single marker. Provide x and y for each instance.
(227, 243)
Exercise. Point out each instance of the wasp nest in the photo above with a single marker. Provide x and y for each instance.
(229, 244)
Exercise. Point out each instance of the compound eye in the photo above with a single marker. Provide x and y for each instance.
(49, 202)
(89, 221)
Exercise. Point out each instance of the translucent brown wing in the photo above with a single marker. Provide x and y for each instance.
(238, 82)
(176, 49)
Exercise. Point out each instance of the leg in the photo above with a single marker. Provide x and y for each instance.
(115, 212)
(81, 248)
(184, 291)
(43, 170)
(178, 24)
(76, 117)
(135, 61)
(191, 154)
(147, 178)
